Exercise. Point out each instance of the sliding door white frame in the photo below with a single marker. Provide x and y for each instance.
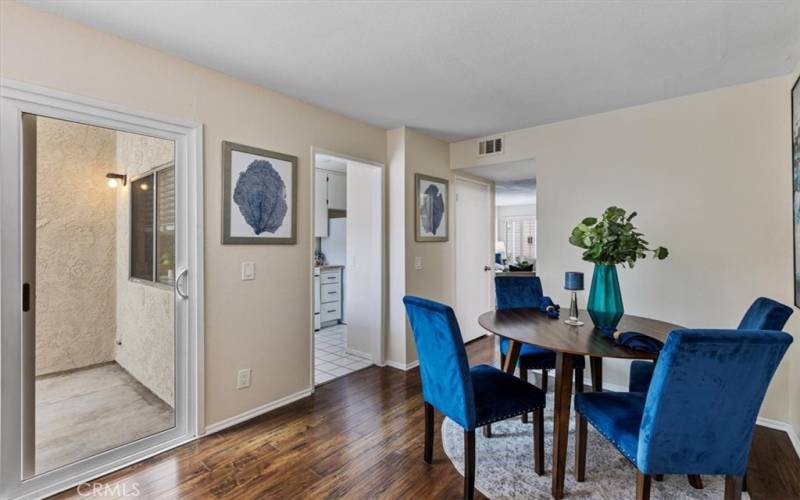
(18, 98)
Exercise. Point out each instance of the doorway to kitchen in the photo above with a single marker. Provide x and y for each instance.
(348, 266)
(101, 290)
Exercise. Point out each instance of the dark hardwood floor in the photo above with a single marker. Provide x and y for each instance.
(361, 436)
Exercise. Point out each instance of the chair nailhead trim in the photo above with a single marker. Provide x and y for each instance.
(506, 417)
(609, 439)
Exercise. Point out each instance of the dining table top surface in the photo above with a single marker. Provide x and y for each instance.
(532, 326)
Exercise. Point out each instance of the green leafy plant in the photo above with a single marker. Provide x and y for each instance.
(613, 239)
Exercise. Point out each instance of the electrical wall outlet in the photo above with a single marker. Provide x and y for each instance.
(243, 380)
(248, 271)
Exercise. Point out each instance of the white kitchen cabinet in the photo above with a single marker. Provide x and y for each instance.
(321, 204)
(337, 191)
(330, 291)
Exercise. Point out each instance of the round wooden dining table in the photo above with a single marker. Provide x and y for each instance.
(531, 326)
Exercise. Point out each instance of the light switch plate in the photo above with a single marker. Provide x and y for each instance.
(248, 271)
(418, 263)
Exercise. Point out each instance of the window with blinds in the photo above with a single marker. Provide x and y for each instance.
(153, 226)
(520, 237)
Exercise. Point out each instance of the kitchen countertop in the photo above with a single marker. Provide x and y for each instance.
(337, 266)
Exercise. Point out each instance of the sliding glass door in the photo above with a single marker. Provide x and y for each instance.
(96, 350)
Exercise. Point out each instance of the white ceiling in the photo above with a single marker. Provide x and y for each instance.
(515, 193)
(465, 69)
(505, 172)
(327, 162)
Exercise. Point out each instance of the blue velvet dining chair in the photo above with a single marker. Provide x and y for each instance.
(763, 314)
(699, 413)
(471, 397)
(526, 292)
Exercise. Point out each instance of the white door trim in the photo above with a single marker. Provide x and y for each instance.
(381, 359)
(17, 98)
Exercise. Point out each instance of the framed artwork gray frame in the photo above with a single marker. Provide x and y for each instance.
(227, 239)
(418, 208)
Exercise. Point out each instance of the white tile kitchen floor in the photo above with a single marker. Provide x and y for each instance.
(331, 359)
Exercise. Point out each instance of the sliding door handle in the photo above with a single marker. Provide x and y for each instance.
(179, 282)
(26, 297)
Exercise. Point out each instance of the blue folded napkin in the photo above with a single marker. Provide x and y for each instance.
(550, 308)
(639, 342)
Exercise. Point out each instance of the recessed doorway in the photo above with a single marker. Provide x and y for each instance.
(348, 266)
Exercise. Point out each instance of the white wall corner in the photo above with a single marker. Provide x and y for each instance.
(402, 366)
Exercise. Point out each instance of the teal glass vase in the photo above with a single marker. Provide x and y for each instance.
(605, 298)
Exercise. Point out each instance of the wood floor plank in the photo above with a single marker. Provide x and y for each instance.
(362, 436)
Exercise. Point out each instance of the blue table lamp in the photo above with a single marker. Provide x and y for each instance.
(573, 281)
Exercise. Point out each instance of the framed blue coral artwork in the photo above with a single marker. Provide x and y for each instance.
(259, 196)
(431, 208)
(796, 185)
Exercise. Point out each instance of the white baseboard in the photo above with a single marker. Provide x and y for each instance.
(255, 412)
(360, 354)
(401, 366)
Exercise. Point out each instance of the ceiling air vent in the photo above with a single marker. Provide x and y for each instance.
(490, 146)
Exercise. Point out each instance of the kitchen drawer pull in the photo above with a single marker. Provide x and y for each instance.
(331, 310)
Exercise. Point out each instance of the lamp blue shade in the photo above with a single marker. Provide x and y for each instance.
(573, 280)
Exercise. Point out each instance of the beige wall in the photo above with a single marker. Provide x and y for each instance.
(710, 177)
(397, 339)
(75, 246)
(411, 152)
(145, 312)
(262, 324)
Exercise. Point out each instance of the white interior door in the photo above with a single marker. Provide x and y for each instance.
(473, 240)
(363, 289)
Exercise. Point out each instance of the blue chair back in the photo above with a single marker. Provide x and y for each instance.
(766, 314)
(446, 380)
(706, 392)
(517, 291)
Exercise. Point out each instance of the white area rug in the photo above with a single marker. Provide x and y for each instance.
(504, 465)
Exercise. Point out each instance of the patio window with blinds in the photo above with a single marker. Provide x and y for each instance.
(520, 237)
(153, 226)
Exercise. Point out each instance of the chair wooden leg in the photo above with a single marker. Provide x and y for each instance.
(469, 465)
(428, 433)
(578, 380)
(659, 477)
(523, 374)
(538, 441)
(642, 486)
(733, 487)
(581, 433)
(744, 482)
(487, 430)
(696, 481)
(544, 381)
